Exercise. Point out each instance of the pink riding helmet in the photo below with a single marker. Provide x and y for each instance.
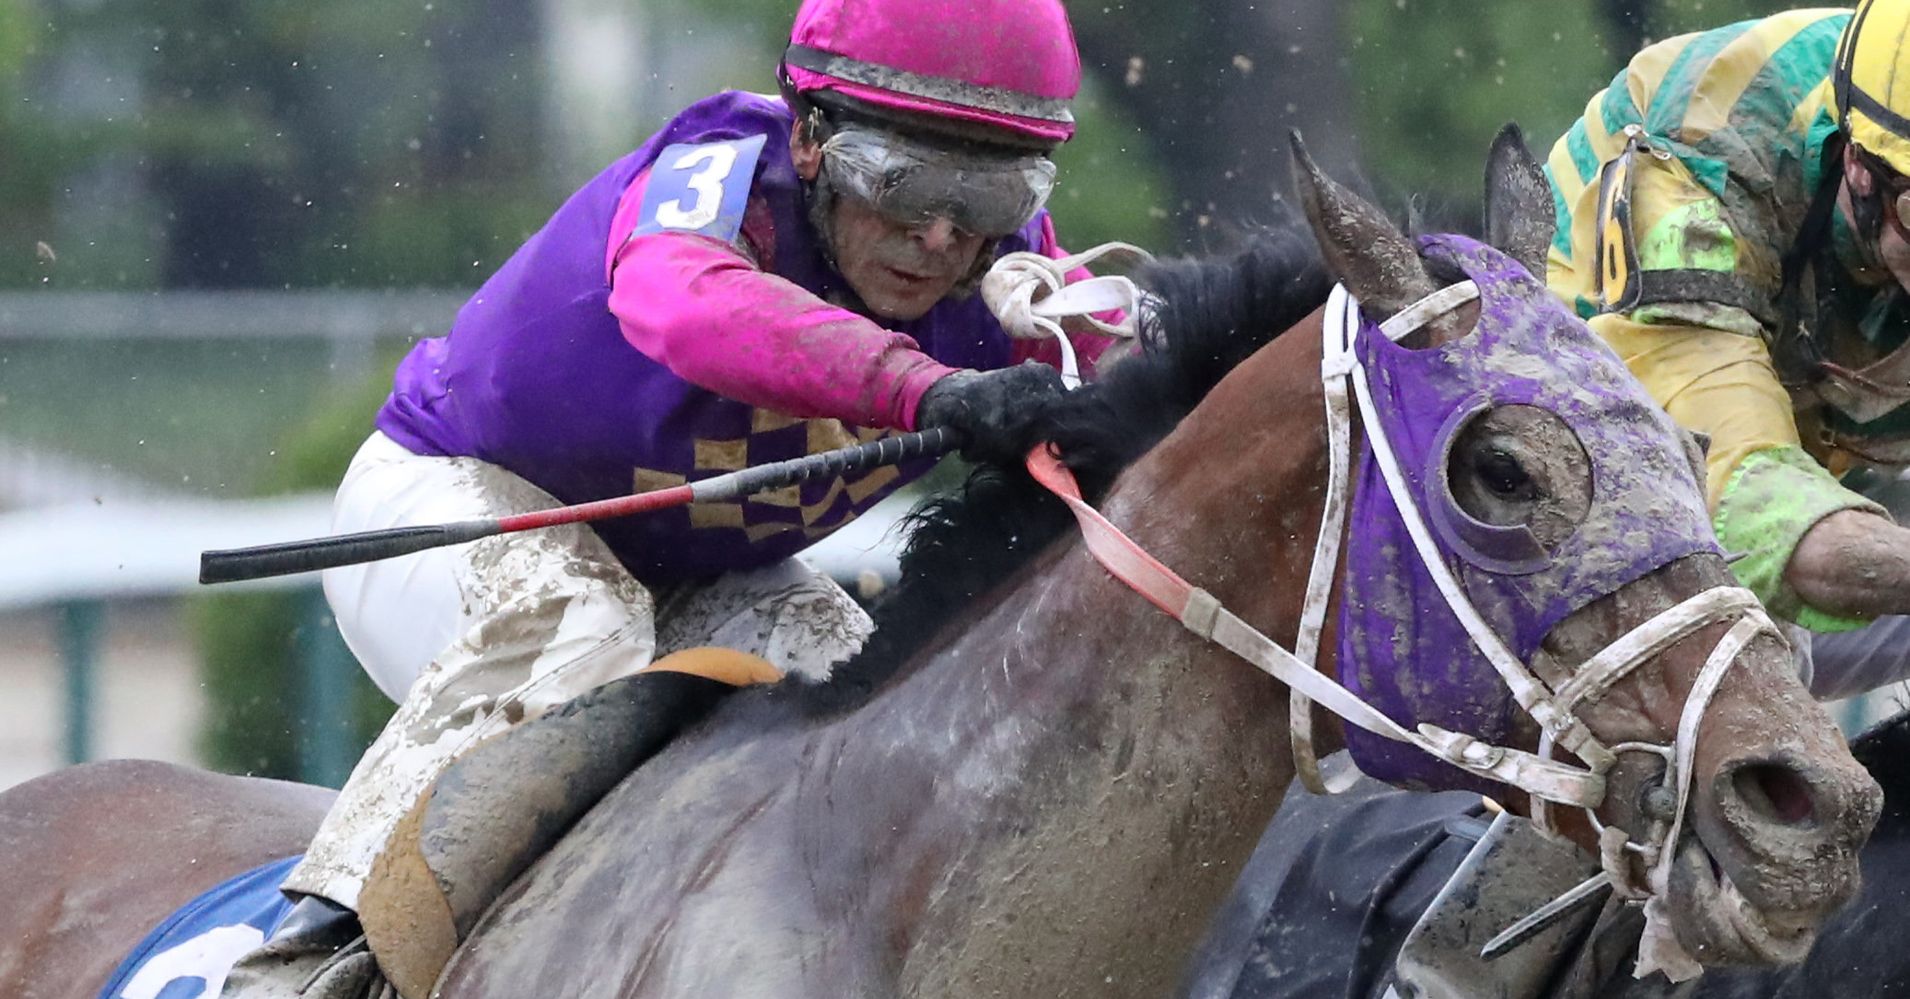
(1007, 63)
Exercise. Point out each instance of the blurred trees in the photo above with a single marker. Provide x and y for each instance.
(269, 143)
(250, 640)
(1413, 90)
(33, 156)
(353, 142)
(264, 143)
(1218, 87)
(1434, 79)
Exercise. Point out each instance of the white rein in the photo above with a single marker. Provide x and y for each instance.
(1012, 282)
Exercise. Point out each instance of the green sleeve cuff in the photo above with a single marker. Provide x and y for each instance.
(1824, 622)
(1770, 500)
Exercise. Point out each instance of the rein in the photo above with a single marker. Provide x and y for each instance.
(1548, 781)
(1012, 283)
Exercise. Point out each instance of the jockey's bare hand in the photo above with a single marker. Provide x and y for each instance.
(1853, 562)
(996, 411)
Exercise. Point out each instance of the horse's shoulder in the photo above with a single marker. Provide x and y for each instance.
(152, 795)
(99, 854)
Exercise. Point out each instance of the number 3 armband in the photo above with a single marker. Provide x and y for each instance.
(701, 188)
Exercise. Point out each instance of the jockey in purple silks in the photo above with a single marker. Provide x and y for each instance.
(765, 277)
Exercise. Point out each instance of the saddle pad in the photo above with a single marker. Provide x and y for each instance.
(189, 955)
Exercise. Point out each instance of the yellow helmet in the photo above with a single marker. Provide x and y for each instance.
(1871, 81)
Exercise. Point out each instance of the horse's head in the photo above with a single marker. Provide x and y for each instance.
(1543, 545)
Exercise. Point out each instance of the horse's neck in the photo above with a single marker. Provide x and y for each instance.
(1074, 768)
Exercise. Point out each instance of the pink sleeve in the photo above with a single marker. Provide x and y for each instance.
(701, 308)
(1088, 347)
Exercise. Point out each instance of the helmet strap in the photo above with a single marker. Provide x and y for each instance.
(1841, 85)
(1866, 210)
(1866, 207)
(984, 260)
(819, 197)
(1795, 347)
(812, 122)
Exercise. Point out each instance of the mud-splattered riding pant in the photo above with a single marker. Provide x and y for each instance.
(474, 639)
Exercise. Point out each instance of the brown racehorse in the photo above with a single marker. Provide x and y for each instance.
(1032, 783)
(93, 857)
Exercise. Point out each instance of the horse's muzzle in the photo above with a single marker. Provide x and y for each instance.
(1784, 831)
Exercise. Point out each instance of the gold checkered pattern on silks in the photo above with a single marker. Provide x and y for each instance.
(777, 511)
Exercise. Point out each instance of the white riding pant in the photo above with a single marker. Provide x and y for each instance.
(473, 639)
(1848, 663)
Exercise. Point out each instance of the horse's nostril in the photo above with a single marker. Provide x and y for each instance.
(1775, 792)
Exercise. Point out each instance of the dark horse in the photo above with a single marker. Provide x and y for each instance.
(1032, 784)
(1360, 889)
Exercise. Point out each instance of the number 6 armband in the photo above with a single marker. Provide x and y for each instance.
(701, 188)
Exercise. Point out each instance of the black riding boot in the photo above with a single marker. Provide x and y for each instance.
(319, 922)
(318, 952)
(502, 805)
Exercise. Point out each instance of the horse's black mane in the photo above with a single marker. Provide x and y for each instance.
(1212, 314)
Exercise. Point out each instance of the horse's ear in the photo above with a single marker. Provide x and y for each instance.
(1416, 216)
(1520, 220)
(1361, 246)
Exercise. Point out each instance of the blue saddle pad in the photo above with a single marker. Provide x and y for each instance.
(188, 955)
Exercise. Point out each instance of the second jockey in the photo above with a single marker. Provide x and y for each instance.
(765, 277)
(1733, 222)
(1731, 225)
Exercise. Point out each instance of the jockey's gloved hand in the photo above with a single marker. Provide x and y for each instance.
(997, 412)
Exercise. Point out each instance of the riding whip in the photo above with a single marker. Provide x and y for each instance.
(290, 557)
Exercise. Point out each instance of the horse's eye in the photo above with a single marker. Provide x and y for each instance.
(1502, 473)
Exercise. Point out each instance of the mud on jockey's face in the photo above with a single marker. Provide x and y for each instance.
(908, 211)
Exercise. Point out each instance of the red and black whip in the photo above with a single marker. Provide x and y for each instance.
(289, 557)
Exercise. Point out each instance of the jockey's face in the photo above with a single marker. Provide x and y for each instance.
(1893, 242)
(1895, 253)
(913, 207)
(899, 271)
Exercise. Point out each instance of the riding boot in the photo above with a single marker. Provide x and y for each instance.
(1511, 871)
(501, 805)
(319, 921)
(317, 952)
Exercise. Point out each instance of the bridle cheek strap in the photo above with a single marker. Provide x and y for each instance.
(1200, 613)
(1659, 949)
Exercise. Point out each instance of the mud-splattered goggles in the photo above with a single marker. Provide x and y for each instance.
(1892, 191)
(915, 183)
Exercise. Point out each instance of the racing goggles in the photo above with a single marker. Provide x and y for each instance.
(1892, 191)
(915, 183)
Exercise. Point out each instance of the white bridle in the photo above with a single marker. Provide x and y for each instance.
(1555, 711)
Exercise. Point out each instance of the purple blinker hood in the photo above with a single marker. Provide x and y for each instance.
(1401, 647)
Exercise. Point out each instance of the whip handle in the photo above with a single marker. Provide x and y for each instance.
(264, 561)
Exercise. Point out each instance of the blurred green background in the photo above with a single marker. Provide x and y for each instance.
(215, 146)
